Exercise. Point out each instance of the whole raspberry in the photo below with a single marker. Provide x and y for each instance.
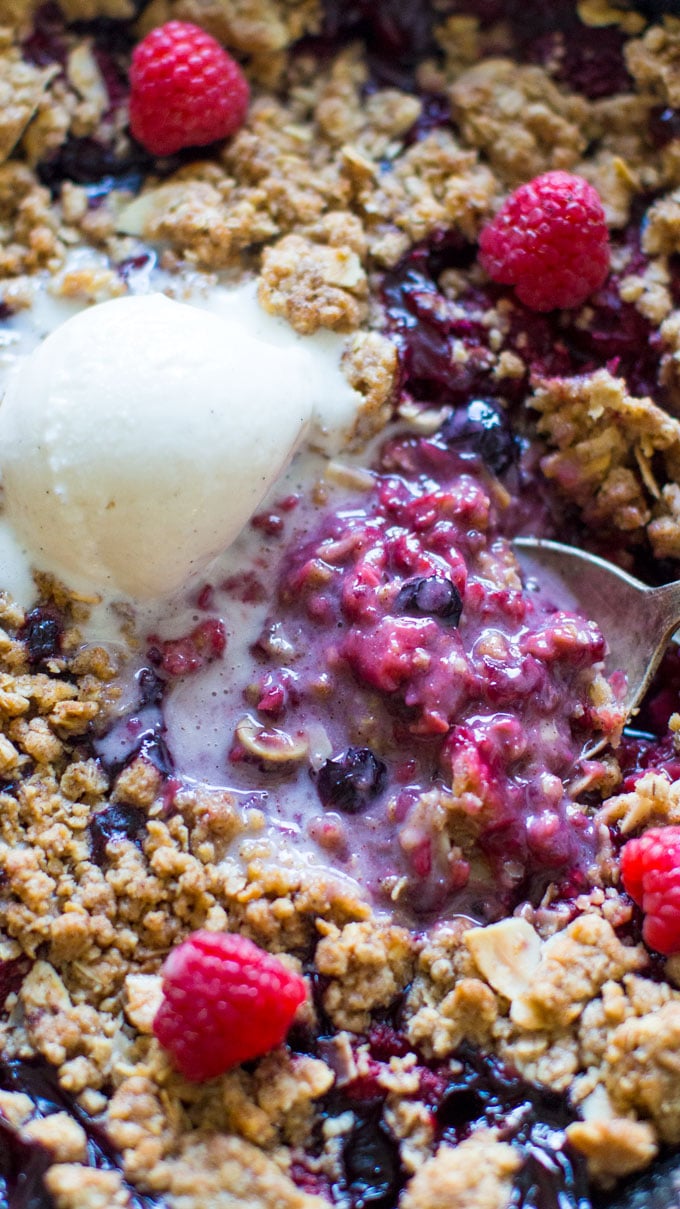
(550, 241)
(650, 871)
(225, 1001)
(185, 90)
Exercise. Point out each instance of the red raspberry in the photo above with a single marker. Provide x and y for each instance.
(185, 90)
(550, 241)
(650, 871)
(224, 1001)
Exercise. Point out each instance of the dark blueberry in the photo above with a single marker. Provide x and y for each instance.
(133, 736)
(664, 126)
(119, 821)
(400, 30)
(41, 632)
(430, 596)
(425, 327)
(152, 747)
(86, 161)
(527, 18)
(460, 1107)
(351, 780)
(372, 1168)
(480, 428)
(435, 112)
(151, 687)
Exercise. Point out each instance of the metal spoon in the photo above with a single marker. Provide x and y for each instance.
(637, 621)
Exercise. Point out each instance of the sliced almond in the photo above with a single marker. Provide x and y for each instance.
(507, 954)
(269, 743)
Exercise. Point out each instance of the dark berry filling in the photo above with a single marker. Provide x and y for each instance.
(140, 733)
(12, 974)
(119, 821)
(24, 1163)
(370, 1157)
(469, 1093)
(87, 161)
(426, 325)
(42, 633)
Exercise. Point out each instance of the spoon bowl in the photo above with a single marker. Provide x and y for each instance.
(636, 620)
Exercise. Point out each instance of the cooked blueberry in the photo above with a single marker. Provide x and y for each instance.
(87, 161)
(42, 634)
(461, 1106)
(151, 687)
(664, 126)
(119, 821)
(152, 747)
(430, 596)
(351, 780)
(435, 112)
(372, 1168)
(480, 428)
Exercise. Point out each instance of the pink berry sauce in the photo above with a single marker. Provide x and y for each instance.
(408, 710)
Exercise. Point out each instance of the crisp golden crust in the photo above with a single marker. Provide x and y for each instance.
(604, 444)
(475, 1175)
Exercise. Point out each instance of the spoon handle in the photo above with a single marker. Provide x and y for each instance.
(666, 613)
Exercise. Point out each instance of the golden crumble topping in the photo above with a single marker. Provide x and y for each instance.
(652, 61)
(604, 442)
(475, 1175)
(519, 118)
(251, 27)
(21, 89)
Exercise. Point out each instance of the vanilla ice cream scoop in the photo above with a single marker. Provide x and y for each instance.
(138, 439)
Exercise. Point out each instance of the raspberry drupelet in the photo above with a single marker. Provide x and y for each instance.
(650, 871)
(550, 241)
(185, 90)
(225, 1001)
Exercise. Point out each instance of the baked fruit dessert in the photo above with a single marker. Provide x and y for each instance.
(308, 892)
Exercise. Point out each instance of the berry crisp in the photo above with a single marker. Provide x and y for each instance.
(308, 895)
